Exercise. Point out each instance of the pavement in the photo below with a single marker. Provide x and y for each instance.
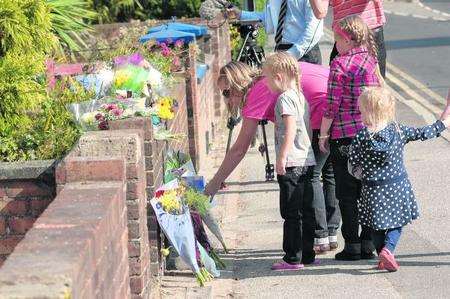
(249, 211)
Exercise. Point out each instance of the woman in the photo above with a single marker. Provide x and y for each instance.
(244, 89)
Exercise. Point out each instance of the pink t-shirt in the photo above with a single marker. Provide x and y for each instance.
(260, 102)
(371, 11)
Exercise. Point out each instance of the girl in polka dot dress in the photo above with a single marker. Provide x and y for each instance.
(376, 157)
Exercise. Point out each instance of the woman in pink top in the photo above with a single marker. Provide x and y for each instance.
(372, 13)
(245, 90)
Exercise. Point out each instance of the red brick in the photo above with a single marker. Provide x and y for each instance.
(21, 225)
(134, 229)
(8, 244)
(134, 248)
(135, 266)
(132, 209)
(136, 284)
(13, 207)
(80, 169)
(135, 189)
(26, 189)
(37, 206)
(2, 226)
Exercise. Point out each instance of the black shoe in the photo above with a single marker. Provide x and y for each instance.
(367, 255)
(346, 256)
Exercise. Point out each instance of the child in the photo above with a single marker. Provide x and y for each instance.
(353, 70)
(387, 202)
(295, 159)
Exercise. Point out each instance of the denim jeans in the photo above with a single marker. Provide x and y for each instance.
(348, 191)
(296, 210)
(386, 238)
(313, 55)
(378, 34)
(325, 204)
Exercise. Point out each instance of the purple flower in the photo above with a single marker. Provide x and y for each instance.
(163, 45)
(103, 125)
(135, 58)
(120, 60)
(169, 41)
(99, 117)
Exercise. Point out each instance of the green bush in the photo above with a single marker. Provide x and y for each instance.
(33, 123)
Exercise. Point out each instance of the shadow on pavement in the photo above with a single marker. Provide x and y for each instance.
(256, 263)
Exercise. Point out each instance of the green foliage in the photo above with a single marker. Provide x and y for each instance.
(69, 20)
(24, 27)
(34, 124)
(197, 201)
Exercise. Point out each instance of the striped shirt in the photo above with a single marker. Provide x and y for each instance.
(371, 11)
(350, 73)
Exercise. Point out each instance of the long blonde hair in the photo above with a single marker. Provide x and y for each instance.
(284, 63)
(361, 35)
(377, 105)
(240, 77)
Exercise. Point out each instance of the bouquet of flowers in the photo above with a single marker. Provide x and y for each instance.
(175, 220)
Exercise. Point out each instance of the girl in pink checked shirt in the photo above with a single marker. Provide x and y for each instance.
(354, 69)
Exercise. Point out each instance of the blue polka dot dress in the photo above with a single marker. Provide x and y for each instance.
(387, 199)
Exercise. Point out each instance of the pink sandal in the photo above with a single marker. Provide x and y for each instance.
(283, 266)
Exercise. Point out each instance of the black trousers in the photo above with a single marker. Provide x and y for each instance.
(381, 50)
(296, 210)
(348, 192)
(312, 56)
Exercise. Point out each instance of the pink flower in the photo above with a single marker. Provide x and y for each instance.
(110, 107)
(163, 46)
(166, 52)
(117, 112)
(176, 61)
(179, 43)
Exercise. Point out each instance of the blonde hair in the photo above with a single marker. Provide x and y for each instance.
(377, 105)
(240, 76)
(361, 35)
(285, 64)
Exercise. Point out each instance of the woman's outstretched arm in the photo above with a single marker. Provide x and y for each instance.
(234, 155)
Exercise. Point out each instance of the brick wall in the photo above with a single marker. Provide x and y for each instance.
(130, 145)
(25, 193)
(153, 156)
(78, 247)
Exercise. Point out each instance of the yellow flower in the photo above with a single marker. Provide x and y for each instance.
(165, 251)
(170, 202)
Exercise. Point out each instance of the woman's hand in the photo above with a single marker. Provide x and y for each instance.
(211, 188)
(280, 166)
(324, 145)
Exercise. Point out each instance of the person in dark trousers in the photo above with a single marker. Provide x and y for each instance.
(354, 70)
(294, 25)
(372, 13)
(295, 159)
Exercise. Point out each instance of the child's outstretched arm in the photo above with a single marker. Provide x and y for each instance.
(445, 116)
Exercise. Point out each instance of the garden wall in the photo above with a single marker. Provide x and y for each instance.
(78, 247)
(26, 189)
(101, 235)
